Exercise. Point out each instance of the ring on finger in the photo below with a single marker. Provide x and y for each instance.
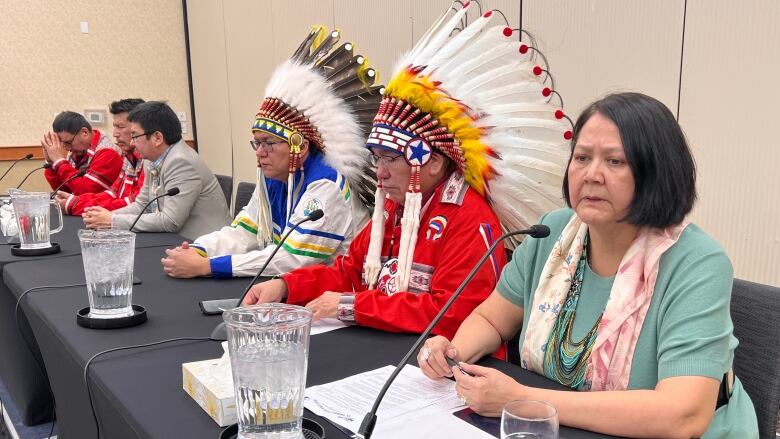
(462, 399)
(425, 353)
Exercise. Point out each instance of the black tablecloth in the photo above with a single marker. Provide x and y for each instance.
(26, 384)
(138, 393)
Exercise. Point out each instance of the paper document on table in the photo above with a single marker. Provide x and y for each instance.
(347, 401)
(324, 325)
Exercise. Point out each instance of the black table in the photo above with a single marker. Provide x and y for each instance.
(26, 383)
(138, 393)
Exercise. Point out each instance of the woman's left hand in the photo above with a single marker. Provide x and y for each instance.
(488, 390)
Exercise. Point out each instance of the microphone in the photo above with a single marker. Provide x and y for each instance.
(171, 192)
(369, 421)
(27, 157)
(210, 307)
(45, 166)
(68, 180)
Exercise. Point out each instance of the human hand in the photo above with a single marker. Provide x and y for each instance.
(431, 357)
(273, 290)
(96, 217)
(488, 390)
(325, 306)
(53, 147)
(185, 262)
(61, 197)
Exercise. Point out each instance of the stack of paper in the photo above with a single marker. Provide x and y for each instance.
(409, 407)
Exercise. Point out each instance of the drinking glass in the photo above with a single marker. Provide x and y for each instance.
(108, 267)
(527, 419)
(269, 347)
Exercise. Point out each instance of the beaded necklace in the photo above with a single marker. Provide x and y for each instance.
(565, 360)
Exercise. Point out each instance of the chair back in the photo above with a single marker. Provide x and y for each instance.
(755, 311)
(226, 183)
(243, 195)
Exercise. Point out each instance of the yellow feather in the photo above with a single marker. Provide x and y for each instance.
(423, 94)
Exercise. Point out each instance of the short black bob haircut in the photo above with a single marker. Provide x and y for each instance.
(657, 152)
(70, 122)
(124, 105)
(156, 116)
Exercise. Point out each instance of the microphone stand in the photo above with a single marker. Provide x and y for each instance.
(211, 307)
(171, 192)
(81, 173)
(28, 156)
(369, 421)
(45, 166)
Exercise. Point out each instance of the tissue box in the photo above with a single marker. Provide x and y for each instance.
(212, 388)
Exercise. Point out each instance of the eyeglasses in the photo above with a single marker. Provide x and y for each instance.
(268, 147)
(384, 159)
(70, 142)
(133, 137)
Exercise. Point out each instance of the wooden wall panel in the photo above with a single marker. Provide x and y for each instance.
(596, 47)
(729, 111)
(209, 84)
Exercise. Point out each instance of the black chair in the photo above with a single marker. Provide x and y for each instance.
(226, 183)
(243, 195)
(755, 311)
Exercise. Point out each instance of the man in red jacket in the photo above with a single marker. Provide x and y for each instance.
(387, 280)
(131, 179)
(73, 146)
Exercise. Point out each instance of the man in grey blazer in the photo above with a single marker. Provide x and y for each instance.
(200, 205)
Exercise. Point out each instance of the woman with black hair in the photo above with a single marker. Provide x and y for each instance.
(625, 301)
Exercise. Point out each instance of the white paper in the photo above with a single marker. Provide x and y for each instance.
(324, 325)
(411, 396)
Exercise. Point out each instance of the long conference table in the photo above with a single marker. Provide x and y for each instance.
(138, 393)
(19, 359)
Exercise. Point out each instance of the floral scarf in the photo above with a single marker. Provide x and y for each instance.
(609, 365)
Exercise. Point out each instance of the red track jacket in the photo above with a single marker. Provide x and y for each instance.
(101, 160)
(456, 229)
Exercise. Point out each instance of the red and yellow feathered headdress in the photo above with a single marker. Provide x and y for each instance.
(476, 94)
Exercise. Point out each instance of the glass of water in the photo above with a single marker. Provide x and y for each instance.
(108, 267)
(269, 349)
(527, 419)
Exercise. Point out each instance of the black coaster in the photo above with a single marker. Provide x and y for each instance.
(84, 320)
(310, 429)
(17, 250)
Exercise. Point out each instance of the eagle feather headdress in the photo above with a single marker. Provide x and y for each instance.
(474, 93)
(324, 94)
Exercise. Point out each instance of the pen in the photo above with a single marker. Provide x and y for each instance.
(454, 363)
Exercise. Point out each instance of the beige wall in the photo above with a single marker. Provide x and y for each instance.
(727, 106)
(133, 49)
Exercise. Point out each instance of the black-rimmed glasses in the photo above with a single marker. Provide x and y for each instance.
(135, 136)
(268, 147)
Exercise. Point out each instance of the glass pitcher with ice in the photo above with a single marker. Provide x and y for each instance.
(269, 349)
(32, 217)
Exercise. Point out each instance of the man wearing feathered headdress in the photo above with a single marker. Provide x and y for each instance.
(457, 104)
(308, 139)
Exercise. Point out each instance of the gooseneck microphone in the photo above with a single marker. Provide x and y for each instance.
(27, 157)
(369, 421)
(171, 192)
(78, 174)
(45, 166)
(211, 307)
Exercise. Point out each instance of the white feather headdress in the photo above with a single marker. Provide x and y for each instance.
(475, 93)
(326, 95)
